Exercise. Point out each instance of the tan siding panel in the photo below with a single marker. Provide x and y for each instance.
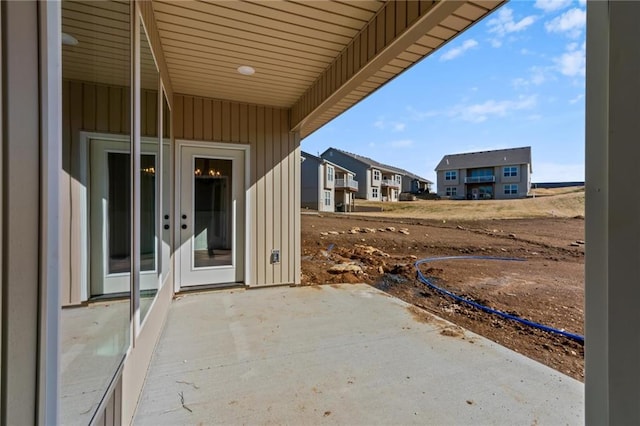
(253, 214)
(226, 121)
(75, 115)
(217, 120)
(88, 106)
(188, 117)
(261, 190)
(102, 108)
(278, 224)
(401, 16)
(380, 31)
(413, 11)
(65, 201)
(235, 123)
(178, 117)
(115, 110)
(207, 121)
(271, 180)
(390, 21)
(268, 205)
(198, 119)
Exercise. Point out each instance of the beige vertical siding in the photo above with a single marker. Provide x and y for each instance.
(274, 185)
(93, 108)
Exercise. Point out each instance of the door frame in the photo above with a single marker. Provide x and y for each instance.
(179, 144)
(85, 137)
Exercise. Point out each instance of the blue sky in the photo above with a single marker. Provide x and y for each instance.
(514, 79)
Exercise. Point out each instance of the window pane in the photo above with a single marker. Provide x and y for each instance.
(96, 72)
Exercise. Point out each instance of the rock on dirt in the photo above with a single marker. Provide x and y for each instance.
(343, 268)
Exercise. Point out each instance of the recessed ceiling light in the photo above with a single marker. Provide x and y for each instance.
(246, 70)
(68, 39)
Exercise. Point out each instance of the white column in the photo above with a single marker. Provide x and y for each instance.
(31, 163)
(612, 380)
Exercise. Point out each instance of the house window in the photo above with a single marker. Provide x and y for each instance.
(398, 179)
(330, 172)
(510, 171)
(327, 198)
(510, 189)
(374, 192)
(451, 175)
(376, 175)
(395, 194)
(451, 191)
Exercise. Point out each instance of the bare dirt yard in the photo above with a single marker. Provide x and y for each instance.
(547, 287)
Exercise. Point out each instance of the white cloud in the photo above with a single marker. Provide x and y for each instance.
(552, 5)
(399, 127)
(477, 113)
(572, 63)
(570, 23)
(382, 124)
(416, 115)
(504, 22)
(457, 51)
(577, 99)
(537, 76)
(403, 143)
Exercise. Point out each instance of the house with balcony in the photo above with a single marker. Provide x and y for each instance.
(497, 174)
(377, 181)
(415, 184)
(326, 186)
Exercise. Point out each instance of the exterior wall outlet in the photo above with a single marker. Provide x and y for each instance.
(275, 256)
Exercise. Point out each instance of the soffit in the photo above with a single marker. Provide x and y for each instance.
(288, 43)
(465, 16)
(102, 54)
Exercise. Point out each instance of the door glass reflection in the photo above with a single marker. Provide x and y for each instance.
(119, 205)
(212, 239)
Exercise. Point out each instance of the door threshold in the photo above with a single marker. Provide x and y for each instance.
(212, 287)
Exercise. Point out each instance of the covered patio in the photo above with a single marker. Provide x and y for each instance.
(339, 354)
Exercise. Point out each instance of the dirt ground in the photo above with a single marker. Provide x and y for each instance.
(548, 287)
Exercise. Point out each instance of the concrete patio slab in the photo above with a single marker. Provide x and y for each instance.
(346, 354)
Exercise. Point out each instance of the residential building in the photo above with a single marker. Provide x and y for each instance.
(325, 185)
(152, 147)
(377, 181)
(415, 184)
(92, 254)
(497, 174)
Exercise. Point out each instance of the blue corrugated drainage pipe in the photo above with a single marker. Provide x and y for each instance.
(578, 338)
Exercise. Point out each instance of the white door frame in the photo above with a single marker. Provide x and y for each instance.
(84, 202)
(179, 144)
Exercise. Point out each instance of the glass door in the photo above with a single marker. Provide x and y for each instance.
(212, 216)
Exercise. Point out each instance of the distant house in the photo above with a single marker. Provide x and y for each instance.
(378, 181)
(326, 186)
(499, 174)
(415, 184)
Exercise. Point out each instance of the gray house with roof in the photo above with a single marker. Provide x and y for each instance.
(378, 181)
(326, 186)
(497, 174)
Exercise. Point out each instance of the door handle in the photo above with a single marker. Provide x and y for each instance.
(166, 226)
(184, 226)
(184, 216)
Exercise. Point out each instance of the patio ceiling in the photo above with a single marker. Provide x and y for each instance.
(317, 58)
(297, 48)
